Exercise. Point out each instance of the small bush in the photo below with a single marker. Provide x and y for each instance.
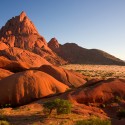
(118, 98)
(95, 121)
(4, 123)
(121, 114)
(49, 106)
(2, 116)
(61, 106)
(102, 105)
(5, 106)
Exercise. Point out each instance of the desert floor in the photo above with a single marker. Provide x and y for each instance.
(98, 71)
(32, 114)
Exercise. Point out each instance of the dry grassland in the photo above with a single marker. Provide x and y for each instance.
(98, 71)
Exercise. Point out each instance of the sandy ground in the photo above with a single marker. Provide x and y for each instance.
(32, 114)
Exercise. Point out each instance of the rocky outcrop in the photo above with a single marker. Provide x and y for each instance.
(13, 66)
(20, 32)
(24, 87)
(67, 77)
(3, 46)
(4, 73)
(54, 44)
(103, 91)
(73, 53)
(23, 57)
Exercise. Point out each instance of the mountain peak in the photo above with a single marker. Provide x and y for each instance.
(53, 43)
(22, 15)
(20, 32)
(19, 25)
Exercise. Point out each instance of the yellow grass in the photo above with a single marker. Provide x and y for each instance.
(98, 71)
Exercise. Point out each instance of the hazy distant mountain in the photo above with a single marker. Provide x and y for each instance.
(20, 32)
(73, 53)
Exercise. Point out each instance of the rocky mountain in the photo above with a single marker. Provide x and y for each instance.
(27, 59)
(73, 53)
(20, 32)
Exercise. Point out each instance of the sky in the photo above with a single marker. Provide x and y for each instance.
(91, 24)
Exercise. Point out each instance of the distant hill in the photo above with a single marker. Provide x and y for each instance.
(73, 53)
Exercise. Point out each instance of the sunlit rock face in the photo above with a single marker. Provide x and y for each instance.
(21, 32)
(24, 58)
(102, 91)
(3, 46)
(70, 78)
(4, 73)
(24, 87)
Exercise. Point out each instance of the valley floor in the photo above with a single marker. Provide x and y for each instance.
(98, 71)
(33, 114)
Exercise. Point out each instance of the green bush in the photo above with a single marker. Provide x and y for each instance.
(5, 106)
(62, 106)
(94, 121)
(49, 106)
(121, 114)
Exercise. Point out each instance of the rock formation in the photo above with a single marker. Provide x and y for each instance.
(73, 53)
(3, 46)
(13, 66)
(24, 87)
(70, 78)
(4, 73)
(20, 32)
(101, 92)
(23, 57)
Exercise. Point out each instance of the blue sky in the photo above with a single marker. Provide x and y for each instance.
(89, 23)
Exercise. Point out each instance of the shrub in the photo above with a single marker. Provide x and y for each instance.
(118, 98)
(2, 116)
(61, 106)
(5, 105)
(93, 121)
(121, 114)
(4, 123)
(102, 105)
(49, 106)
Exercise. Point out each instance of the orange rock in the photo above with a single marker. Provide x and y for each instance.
(4, 73)
(70, 78)
(13, 66)
(100, 92)
(3, 46)
(24, 57)
(54, 44)
(24, 87)
(20, 32)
